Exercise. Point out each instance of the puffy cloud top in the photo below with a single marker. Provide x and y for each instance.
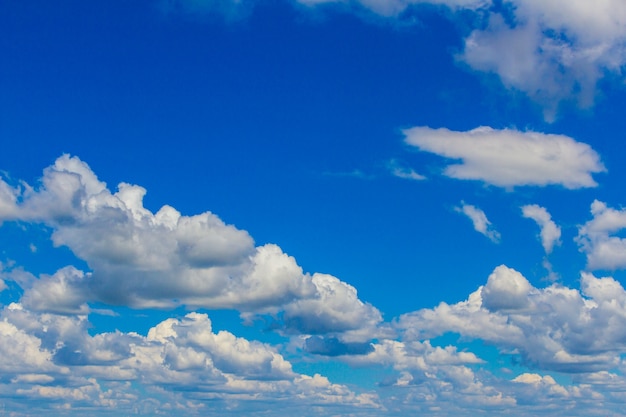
(506, 289)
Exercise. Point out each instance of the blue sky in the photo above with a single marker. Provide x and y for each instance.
(321, 207)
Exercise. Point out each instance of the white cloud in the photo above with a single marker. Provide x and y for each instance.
(165, 259)
(22, 352)
(509, 158)
(64, 292)
(552, 50)
(550, 232)
(480, 221)
(597, 238)
(554, 328)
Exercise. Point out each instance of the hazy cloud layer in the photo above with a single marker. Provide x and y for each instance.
(509, 158)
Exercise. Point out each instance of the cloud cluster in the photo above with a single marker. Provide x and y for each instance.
(165, 259)
(554, 328)
(509, 158)
(53, 360)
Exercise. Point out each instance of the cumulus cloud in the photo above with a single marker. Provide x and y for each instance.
(479, 219)
(52, 358)
(550, 233)
(597, 238)
(554, 328)
(165, 259)
(509, 158)
(506, 289)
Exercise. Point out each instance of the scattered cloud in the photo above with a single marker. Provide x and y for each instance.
(550, 233)
(509, 158)
(552, 51)
(479, 219)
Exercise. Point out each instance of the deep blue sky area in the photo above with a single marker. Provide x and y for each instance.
(429, 165)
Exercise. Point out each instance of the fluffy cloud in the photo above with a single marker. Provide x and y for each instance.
(336, 309)
(165, 259)
(479, 219)
(550, 232)
(509, 158)
(554, 328)
(597, 238)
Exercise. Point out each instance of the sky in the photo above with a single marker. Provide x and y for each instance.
(312, 207)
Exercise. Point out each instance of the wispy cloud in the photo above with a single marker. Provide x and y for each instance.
(479, 219)
(550, 233)
(403, 172)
